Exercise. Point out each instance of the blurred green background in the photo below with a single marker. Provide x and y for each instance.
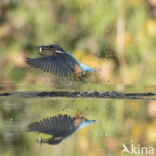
(116, 37)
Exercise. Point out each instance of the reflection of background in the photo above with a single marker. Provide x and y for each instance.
(135, 120)
(115, 38)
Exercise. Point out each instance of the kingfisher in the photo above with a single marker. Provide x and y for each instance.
(59, 62)
(60, 127)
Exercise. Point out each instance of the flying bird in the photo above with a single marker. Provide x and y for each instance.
(60, 127)
(59, 62)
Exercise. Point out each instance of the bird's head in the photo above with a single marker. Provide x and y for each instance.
(55, 48)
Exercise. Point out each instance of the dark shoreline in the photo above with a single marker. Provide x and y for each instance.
(80, 94)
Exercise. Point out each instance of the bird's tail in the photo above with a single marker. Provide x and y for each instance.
(86, 68)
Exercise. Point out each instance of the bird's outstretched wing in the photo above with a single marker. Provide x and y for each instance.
(61, 125)
(61, 65)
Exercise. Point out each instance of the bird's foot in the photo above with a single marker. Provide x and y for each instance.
(78, 114)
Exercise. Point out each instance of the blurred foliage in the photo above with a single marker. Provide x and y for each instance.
(87, 29)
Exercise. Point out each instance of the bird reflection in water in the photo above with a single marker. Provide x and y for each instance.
(60, 127)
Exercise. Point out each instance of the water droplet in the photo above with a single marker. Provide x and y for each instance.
(11, 119)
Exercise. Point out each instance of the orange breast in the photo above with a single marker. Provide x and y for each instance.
(77, 122)
(77, 69)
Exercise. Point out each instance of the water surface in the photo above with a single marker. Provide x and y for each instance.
(118, 121)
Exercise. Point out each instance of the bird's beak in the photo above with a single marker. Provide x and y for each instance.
(43, 48)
